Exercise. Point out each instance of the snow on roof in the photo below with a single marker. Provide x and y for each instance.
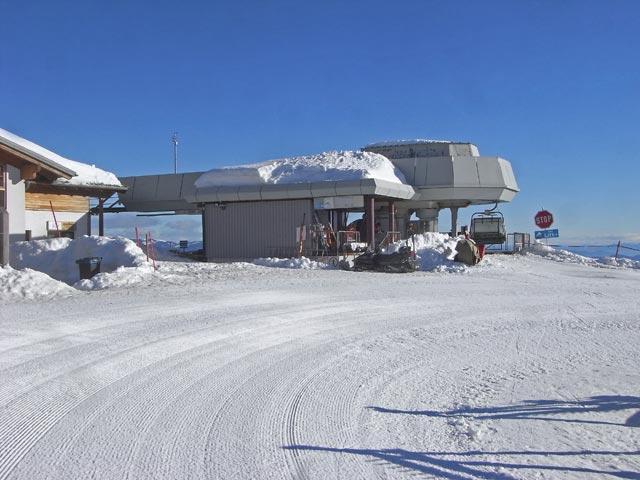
(85, 175)
(327, 166)
(391, 143)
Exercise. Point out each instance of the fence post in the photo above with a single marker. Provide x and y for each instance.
(617, 249)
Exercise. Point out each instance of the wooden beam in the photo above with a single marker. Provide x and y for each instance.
(18, 159)
(29, 171)
(93, 191)
(63, 203)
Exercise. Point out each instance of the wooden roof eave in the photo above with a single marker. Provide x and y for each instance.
(94, 191)
(33, 163)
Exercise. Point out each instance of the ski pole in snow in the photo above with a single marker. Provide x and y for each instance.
(137, 239)
(54, 218)
(153, 253)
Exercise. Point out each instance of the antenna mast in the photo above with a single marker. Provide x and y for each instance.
(175, 152)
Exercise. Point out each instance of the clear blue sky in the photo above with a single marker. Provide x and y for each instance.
(553, 86)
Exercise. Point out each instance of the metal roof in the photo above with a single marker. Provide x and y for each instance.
(177, 191)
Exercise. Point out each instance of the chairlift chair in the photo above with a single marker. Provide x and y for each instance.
(487, 228)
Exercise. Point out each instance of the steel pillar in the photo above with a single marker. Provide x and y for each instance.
(392, 220)
(101, 217)
(454, 221)
(4, 237)
(371, 222)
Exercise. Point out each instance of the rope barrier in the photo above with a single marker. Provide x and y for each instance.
(617, 246)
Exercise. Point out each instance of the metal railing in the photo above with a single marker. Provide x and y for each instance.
(516, 242)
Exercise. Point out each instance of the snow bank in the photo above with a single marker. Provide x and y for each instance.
(85, 174)
(121, 277)
(620, 262)
(46, 264)
(29, 284)
(57, 256)
(435, 253)
(565, 256)
(299, 263)
(328, 166)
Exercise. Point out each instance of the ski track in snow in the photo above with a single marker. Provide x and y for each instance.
(520, 368)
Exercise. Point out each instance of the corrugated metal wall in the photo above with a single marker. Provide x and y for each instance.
(254, 229)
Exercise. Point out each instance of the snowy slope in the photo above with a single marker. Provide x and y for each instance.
(525, 366)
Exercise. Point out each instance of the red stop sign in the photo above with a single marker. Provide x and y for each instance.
(543, 219)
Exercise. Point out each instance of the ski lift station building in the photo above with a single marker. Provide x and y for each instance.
(255, 211)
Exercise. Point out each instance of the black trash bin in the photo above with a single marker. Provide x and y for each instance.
(89, 266)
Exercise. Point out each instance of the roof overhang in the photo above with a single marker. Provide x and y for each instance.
(94, 191)
(30, 163)
(244, 193)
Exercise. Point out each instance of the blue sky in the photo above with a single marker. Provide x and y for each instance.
(553, 86)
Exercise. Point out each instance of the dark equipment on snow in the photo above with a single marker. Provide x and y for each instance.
(89, 267)
(402, 261)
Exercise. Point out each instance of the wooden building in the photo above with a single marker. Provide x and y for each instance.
(43, 194)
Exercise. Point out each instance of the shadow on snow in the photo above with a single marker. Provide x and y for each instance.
(436, 463)
(540, 410)
(450, 465)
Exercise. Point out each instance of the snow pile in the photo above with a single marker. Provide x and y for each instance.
(57, 256)
(121, 277)
(435, 252)
(84, 174)
(565, 256)
(620, 262)
(30, 285)
(324, 167)
(297, 263)
(551, 253)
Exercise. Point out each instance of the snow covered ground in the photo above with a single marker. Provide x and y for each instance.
(525, 366)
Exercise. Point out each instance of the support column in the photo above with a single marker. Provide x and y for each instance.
(392, 220)
(4, 237)
(204, 237)
(101, 217)
(454, 221)
(430, 217)
(371, 221)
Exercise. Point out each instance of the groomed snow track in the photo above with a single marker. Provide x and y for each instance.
(521, 368)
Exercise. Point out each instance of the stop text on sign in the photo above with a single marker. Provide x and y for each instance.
(543, 219)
